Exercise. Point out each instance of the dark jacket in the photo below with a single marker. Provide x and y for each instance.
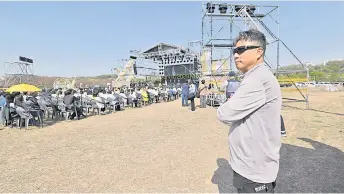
(185, 89)
(69, 99)
(232, 87)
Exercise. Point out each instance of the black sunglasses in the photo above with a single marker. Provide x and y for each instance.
(242, 49)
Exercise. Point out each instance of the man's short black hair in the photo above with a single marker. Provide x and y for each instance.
(252, 35)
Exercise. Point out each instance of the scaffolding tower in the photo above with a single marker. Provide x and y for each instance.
(222, 21)
(18, 72)
(172, 63)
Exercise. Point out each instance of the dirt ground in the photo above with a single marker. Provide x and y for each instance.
(324, 122)
(160, 148)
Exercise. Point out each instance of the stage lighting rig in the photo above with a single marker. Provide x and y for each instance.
(24, 59)
(135, 68)
(210, 8)
(249, 8)
(223, 8)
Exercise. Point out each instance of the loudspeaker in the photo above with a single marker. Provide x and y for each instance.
(135, 69)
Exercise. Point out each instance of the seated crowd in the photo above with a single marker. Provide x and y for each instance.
(33, 107)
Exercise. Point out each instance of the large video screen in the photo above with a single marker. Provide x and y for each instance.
(174, 70)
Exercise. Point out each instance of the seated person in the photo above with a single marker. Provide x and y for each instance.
(31, 100)
(174, 93)
(19, 101)
(70, 101)
(2, 107)
(99, 101)
(144, 95)
(170, 94)
(134, 99)
(21, 107)
(2, 99)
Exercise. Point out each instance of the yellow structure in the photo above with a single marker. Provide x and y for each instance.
(64, 83)
(23, 88)
(127, 71)
(293, 89)
(290, 80)
(205, 62)
(214, 67)
(220, 66)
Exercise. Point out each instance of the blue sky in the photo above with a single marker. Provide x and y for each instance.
(88, 38)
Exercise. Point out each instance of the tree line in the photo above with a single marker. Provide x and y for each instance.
(332, 71)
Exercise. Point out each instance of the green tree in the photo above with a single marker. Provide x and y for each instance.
(316, 75)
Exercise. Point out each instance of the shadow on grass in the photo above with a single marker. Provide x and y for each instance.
(303, 170)
(315, 110)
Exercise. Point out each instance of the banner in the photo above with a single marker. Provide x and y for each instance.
(127, 69)
(225, 65)
(220, 66)
(205, 62)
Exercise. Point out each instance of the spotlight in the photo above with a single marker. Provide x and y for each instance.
(135, 69)
(237, 8)
(250, 9)
(210, 8)
(223, 8)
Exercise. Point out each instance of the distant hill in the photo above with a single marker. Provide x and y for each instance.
(47, 81)
(332, 71)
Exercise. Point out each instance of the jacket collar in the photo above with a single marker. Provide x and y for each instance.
(253, 69)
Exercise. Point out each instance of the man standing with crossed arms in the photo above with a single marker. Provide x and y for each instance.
(254, 113)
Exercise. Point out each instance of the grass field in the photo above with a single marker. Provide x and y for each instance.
(168, 148)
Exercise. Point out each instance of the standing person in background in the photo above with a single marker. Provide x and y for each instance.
(144, 95)
(192, 93)
(2, 99)
(232, 85)
(283, 131)
(185, 94)
(203, 94)
(254, 113)
(2, 107)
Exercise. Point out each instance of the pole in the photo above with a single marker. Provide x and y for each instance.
(278, 43)
(211, 45)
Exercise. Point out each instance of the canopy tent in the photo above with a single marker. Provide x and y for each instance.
(23, 88)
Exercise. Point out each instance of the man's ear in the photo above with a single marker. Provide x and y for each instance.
(260, 52)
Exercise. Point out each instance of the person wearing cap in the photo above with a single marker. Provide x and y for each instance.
(232, 85)
(192, 95)
(254, 114)
(203, 89)
(185, 94)
(2, 106)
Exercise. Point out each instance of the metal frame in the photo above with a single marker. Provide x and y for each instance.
(18, 72)
(64, 83)
(122, 69)
(174, 57)
(238, 18)
(143, 70)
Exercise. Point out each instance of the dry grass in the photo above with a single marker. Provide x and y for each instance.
(160, 148)
(323, 123)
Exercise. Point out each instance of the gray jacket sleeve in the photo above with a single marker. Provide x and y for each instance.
(248, 98)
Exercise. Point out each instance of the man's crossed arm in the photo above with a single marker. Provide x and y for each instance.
(248, 98)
